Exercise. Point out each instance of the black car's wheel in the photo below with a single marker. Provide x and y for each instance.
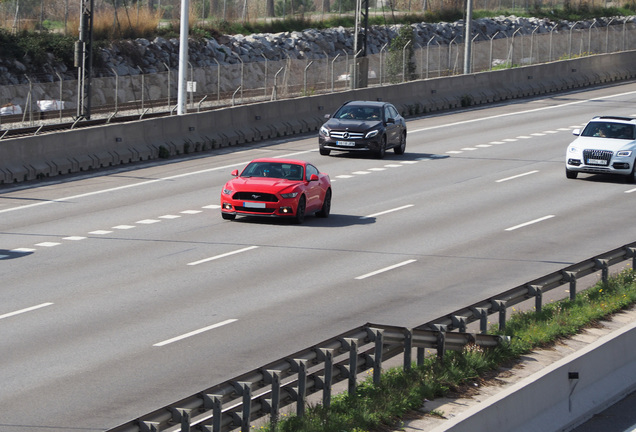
(228, 216)
(326, 205)
(382, 150)
(402, 145)
(571, 174)
(325, 152)
(300, 211)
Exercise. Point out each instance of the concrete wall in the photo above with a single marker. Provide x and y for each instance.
(48, 155)
(550, 400)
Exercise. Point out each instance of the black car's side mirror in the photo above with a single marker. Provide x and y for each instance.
(327, 116)
(390, 120)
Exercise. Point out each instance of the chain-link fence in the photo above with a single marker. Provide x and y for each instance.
(231, 84)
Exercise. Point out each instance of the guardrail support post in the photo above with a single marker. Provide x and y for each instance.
(244, 389)
(214, 402)
(421, 355)
(631, 252)
(570, 277)
(183, 416)
(300, 366)
(352, 344)
(378, 337)
(482, 314)
(604, 266)
(500, 306)
(459, 322)
(535, 291)
(441, 339)
(327, 356)
(408, 349)
(273, 379)
(148, 426)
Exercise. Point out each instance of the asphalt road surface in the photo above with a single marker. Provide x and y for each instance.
(124, 290)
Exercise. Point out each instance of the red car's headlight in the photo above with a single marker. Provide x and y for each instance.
(289, 195)
(227, 191)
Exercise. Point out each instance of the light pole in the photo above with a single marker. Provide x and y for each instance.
(468, 39)
(183, 58)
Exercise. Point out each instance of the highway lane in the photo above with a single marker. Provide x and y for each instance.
(130, 291)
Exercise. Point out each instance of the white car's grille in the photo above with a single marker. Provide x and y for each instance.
(597, 157)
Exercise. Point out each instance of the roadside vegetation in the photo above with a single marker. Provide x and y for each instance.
(128, 24)
(380, 408)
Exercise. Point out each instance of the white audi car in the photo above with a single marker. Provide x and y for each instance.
(606, 145)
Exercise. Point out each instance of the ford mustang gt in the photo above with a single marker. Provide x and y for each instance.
(277, 188)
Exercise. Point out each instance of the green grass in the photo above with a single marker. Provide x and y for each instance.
(374, 408)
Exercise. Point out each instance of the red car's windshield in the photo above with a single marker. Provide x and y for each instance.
(274, 170)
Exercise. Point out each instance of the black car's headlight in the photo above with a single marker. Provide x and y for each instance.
(324, 131)
(372, 133)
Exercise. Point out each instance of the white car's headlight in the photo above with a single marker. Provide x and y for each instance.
(324, 131)
(372, 134)
(572, 150)
(624, 153)
(289, 195)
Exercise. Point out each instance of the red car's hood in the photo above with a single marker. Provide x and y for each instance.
(260, 184)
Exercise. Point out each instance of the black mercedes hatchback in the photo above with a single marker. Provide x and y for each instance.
(364, 126)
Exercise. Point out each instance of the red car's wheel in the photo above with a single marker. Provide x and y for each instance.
(326, 205)
(300, 210)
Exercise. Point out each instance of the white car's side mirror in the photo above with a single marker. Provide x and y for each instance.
(576, 132)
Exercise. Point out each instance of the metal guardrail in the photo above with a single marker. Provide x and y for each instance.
(263, 392)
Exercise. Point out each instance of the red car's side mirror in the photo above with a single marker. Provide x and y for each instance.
(313, 177)
(235, 173)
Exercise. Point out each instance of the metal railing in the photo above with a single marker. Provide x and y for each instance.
(262, 393)
(223, 85)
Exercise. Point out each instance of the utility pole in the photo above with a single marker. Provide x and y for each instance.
(360, 68)
(84, 59)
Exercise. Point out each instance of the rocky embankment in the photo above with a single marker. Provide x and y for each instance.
(150, 56)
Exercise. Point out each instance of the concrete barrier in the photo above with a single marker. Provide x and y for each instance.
(562, 395)
(54, 154)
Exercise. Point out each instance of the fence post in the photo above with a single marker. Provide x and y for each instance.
(215, 403)
(352, 344)
(604, 266)
(500, 306)
(377, 336)
(327, 355)
(182, 416)
(535, 290)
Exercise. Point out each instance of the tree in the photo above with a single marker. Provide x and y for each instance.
(400, 61)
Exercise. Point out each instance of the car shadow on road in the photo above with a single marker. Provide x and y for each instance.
(390, 156)
(333, 221)
(11, 254)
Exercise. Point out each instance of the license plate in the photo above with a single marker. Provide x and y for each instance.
(253, 205)
(596, 162)
(346, 143)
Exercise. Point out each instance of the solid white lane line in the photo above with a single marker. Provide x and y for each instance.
(529, 223)
(195, 332)
(21, 311)
(222, 256)
(386, 211)
(386, 269)
(517, 176)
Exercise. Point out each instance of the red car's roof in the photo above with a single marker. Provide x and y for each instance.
(291, 161)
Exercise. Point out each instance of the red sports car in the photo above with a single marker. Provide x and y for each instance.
(277, 188)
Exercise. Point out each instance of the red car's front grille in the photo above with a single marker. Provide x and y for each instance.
(255, 196)
(255, 210)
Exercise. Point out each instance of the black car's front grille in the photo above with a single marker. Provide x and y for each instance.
(597, 157)
(346, 135)
(255, 196)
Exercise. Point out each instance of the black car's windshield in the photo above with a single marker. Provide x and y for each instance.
(608, 130)
(273, 169)
(354, 112)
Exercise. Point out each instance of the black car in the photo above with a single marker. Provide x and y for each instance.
(364, 126)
